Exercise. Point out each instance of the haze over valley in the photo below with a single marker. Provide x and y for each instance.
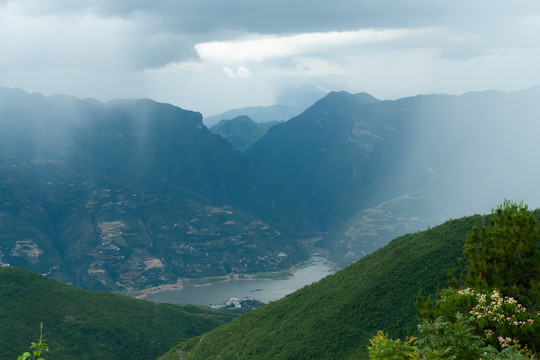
(329, 159)
(133, 194)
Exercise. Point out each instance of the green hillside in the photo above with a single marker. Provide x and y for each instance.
(94, 325)
(335, 317)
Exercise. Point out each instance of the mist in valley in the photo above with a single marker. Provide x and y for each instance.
(253, 147)
(350, 170)
(479, 150)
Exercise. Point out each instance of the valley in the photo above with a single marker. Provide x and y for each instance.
(336, 316)
(140, 198)
(305, 180)
(134, 195)
(259, 287)
(94, 210)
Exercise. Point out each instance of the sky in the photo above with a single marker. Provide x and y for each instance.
(214, 55)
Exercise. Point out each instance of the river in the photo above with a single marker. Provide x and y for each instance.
(268, 290)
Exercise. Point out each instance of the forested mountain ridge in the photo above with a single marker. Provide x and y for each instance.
(91, 325)
(492, 310)
(133, 193)
(372, 170)
(335, 317)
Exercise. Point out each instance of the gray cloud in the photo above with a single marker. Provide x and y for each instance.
(292, 16)
(176, 26)
(289, 17)
(150, 45)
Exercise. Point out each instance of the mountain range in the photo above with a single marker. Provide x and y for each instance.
(277, 112)
(132, 194)
(372, 170)
(241, 132)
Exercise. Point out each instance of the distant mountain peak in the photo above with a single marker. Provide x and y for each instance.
(361, 97)
(243, 118)
(242, 131)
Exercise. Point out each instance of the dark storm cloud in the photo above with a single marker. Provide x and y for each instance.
(174, 27)
(295, 16)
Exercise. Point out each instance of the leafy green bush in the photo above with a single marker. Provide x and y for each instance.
(506, 254)
(36, 347)
(384, 348)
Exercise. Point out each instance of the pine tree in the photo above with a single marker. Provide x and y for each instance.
(505, 255)
(494, 313)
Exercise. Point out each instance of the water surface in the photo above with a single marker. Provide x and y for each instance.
(271, 289)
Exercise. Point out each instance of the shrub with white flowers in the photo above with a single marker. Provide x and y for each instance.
(495, 312)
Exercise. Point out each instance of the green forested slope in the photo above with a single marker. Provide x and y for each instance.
(81, 324)
(334, 318)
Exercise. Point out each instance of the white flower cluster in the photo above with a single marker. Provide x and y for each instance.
(505, 342)
(467, 291)
(493, 309)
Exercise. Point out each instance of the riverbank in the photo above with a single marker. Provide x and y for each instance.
(141, 294)
(183, 282)
(249, 281)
